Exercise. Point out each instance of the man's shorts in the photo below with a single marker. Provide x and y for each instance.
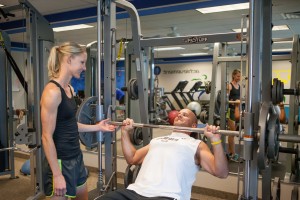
(73, 171)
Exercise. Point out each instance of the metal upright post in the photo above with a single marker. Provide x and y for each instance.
(294, 102)
(40, 39)
(253, 100)
(99, 107)
(266, 71)
(6, 131)
(223, 89)
(213, 83)
(109, 88)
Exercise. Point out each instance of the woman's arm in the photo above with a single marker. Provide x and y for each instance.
(50, 101)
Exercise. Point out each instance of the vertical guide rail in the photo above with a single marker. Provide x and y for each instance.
(142, 79)
(99, 107)
(223, 92)
(294, 101)
(109, 89)
(213, 82)
(266, 71)
(254, 87)
(7, 161)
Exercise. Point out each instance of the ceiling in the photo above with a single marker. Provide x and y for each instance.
(158, 18)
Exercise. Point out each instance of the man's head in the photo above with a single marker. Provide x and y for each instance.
(186, 118)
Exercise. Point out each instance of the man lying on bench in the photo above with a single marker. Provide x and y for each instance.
(170, 163)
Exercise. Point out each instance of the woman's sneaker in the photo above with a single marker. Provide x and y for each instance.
(235, 158)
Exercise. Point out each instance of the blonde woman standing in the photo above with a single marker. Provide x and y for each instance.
(65, 174)
(233, 91)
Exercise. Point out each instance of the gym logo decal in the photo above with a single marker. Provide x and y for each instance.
(181, 71)
(195, 39)
(166, 139)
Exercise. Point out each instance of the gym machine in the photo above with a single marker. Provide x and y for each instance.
(179, 89)
(40, 40)
(261, 130)
(92, 109)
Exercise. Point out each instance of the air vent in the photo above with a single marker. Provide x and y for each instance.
(291, 15)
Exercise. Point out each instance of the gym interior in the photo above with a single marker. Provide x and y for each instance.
(156, 58)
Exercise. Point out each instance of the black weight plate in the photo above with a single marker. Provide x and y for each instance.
(274, 91)
(128, 176)
(281, 92)
(136, 172)
(86, 114)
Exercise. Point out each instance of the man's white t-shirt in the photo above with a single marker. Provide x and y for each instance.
(169, 168)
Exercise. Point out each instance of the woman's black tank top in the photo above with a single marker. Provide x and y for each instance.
(66, 136)
(234, 94)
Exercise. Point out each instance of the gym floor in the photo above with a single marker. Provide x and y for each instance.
(20, 188)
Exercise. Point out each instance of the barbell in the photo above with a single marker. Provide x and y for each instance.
(179, 128)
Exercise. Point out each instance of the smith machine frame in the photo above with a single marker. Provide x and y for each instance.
(259, 106)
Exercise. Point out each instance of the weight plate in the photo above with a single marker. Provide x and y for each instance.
(281, 91)
(128, 175)
(278, 92)
(86, 114)
(204, 116)
(262, 160)
(136, 137)
(208, 87)
(273, 132)
(135, 172)
(132, 89)
(274, 91)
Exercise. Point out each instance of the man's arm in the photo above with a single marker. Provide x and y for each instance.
(216, 163)
(132, 156)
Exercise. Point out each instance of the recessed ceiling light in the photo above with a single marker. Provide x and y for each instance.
(230, 7)
(168, 48)
(72, 27)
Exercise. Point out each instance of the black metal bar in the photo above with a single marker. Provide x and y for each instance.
(288, 150)
(289, 138)
(290, 92)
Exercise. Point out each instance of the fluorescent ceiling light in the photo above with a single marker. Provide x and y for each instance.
(280, 28)
(237, 42)
(281, 50)
(1, 5)
(238, 30)
(168, 48)
(275, 28)
(238, 6)
(72, 27)
(194, 54)
(283, 42)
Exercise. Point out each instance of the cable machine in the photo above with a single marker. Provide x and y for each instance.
(40, 39)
